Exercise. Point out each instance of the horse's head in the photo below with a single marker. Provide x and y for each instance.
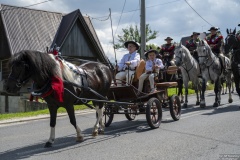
(180, 54)
(230, 41)
(204, 51)
(19, 75)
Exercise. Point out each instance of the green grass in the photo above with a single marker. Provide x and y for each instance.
(6, 116)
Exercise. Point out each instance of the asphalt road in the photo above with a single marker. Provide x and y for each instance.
(206, 134)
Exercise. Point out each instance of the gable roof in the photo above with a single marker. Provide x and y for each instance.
(67, 24)
(37, 29)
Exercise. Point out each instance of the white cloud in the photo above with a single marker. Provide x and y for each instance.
(174, 19)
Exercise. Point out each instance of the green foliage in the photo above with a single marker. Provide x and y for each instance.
(133, 33)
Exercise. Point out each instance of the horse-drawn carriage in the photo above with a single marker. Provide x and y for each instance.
(133, 103)
(63, 84)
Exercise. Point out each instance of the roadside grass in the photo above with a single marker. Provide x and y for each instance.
(5, 116)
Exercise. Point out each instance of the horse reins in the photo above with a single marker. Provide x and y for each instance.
(186, 66)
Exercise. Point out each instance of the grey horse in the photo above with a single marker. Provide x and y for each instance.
(213, 70)
(189, 68)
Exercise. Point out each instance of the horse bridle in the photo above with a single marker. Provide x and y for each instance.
(207, 55)
(184, 63)
(18, 80)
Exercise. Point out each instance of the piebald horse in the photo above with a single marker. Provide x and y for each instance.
(54, 80)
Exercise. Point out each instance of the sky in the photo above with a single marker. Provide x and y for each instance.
(174, 18)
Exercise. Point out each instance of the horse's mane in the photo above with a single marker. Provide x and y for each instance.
(208, 47)
(41, 64)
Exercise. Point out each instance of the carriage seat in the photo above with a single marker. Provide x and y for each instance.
(170, 70)
(167, 84)
(139, 70)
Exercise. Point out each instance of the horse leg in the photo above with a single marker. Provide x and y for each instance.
(186, 94)
(180, 88)
(202, 102)
(71, 115)
(196, 87)
(229, 86)
(53, 117)
(217, 90)
(99, 110)
(236, 80)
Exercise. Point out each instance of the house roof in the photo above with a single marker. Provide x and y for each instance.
(29, 28)
(36, 29)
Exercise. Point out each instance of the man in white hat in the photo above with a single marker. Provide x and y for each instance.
(128, 63)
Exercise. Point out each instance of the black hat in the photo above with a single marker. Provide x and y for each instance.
(149, 51)
(168, 38)
(213, 28)
(135, 43)
(195, 33)
(239, 24)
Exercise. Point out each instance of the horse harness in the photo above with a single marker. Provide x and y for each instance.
(187, 70)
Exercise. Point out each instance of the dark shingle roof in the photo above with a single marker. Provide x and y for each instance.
(28, 28)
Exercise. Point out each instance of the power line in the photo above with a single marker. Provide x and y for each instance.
(198, 13)
(139, 8)
(120, 17)
(27, 6)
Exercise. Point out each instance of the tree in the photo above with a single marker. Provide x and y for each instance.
(133, 34)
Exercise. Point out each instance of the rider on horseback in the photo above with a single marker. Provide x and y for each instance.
(167, 52)
(192, 45)
(215, 41)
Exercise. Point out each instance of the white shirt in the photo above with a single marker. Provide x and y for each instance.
(134, 58)
(150, 64)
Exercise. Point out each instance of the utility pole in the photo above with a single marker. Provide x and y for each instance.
(143, 28)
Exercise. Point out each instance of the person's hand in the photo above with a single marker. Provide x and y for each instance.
(156, 67)
(166, 54)
(128, 63)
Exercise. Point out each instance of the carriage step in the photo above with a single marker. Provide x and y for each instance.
(167, 84)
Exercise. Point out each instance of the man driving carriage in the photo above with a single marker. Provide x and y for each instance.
(167, 52)
(192, 45)
(128, 63)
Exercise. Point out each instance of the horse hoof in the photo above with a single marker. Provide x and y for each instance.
(79, 139)
(197, 103)
(48, 145)
(215, 104)
(95, 133)
(230, 100)
(185, 105)
(101, 132)
(202, 105)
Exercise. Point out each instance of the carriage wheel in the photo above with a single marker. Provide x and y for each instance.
(175, 107)
(130, 114)
(107, 116)
(154, 113)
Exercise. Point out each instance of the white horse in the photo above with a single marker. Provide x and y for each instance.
(211, 70)
(189, 68)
